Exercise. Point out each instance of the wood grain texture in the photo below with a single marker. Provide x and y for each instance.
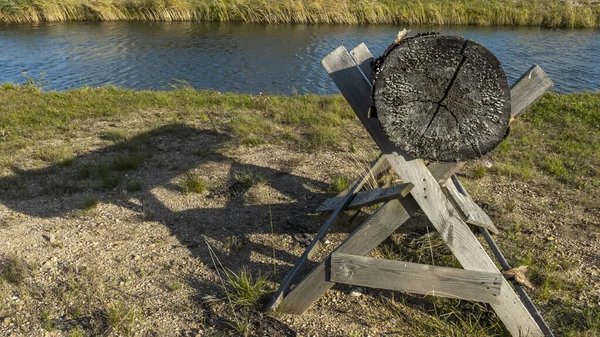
(310, 250)
(528, 89)
(364, 59)
(367, 198)
(416, 278)
(473, 214)
(461, 241)
(369, 235)
(442, 98)
(456, 233)
(443, 171)
(356, 89)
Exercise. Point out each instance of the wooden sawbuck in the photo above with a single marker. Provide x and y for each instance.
(432, 188)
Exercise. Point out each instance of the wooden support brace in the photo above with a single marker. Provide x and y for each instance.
(428, 194)
(369, 235)
(355, 85)
(367, 198)
(416, 278)
(311, 249)
(472, 213)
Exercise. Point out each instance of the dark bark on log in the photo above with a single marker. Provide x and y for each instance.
(442, 98)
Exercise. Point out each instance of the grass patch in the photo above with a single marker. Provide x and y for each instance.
(128, 161)
(60, 155)
(13, 269)
(89, 204)
(244, 289)
(244, 180)
(77, 332)
(557, 140)
(122, 318)
(115, 135)
(338, 184)
(193, 183)
(473, 12)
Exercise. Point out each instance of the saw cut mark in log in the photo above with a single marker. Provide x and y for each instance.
(442, 98)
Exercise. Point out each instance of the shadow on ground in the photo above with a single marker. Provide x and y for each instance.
(135, 168)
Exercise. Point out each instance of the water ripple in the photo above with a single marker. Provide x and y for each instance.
(253, 58)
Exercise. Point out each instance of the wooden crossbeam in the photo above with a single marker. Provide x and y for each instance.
(364, 239)
(524, 92)
(312, 247)
(428, 194)
(367, 198)
(471, 212)
(355, 84)
(528, 89)
(416, 278)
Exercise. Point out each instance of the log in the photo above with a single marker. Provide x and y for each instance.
(442, 98)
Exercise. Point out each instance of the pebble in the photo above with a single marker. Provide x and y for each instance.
(356, 292)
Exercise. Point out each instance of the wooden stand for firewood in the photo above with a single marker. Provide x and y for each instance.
(431, 188)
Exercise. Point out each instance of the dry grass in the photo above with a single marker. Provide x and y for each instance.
(132, 258)
(440, 12)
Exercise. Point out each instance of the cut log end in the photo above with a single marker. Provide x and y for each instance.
(442, 98)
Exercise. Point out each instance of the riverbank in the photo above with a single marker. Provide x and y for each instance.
(142, 213)
(547, 13)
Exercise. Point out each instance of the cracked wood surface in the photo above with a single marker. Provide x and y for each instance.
(416, 278)
(428, 194)
(442, 98)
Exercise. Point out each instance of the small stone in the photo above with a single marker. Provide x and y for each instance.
(393, 321)
(550, 238)
(356, 292)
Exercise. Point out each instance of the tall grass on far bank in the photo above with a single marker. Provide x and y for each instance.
(548, 13)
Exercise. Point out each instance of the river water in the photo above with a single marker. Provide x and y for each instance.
(253, 58)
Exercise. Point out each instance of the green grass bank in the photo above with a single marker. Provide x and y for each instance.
(91, 167)
(547, 13)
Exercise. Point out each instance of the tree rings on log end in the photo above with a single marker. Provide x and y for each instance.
(442, 98)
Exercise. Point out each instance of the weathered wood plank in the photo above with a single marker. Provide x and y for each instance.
(461, 241)
(443, 171)
(473, 214)
(356, 89)
(364, 59)
(416, 278)
(505, 266)
(430, 197)
(367, 198)
(528, 89)
(369, 235)
(311, 249)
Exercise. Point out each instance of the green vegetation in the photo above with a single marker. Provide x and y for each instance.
(550, 13)
(13, 270)
(244, 180)
(122, 318)
(541, 182)
(193, 183)
(244, 289)
(557, 142)
(89, 204)
(338, 184)
(59, 155)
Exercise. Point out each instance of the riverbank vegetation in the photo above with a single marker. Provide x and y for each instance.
(142, 213)
(547, 13)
